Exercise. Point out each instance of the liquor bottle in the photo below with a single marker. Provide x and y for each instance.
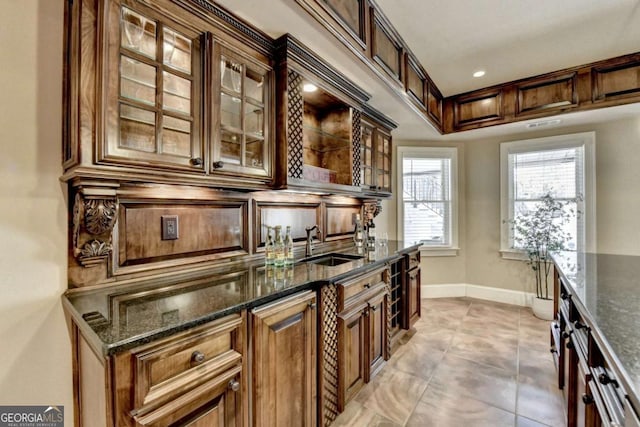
(358, 235)
(371, 241)
(278, 248)
(269, 254)
(288, 247)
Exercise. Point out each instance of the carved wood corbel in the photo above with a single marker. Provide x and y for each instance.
(371, 209)
(95, 211)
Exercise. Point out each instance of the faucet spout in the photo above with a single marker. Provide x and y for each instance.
(309, 246)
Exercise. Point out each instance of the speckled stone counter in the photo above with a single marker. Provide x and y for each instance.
(607, 289)
(117, 317)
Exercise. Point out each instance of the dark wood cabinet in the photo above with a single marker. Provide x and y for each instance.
(318, 122)
(363, 332)
(284, 362)
(412, 288)
(153, 89)
(352, 338)
(375, 154)
(242, 128)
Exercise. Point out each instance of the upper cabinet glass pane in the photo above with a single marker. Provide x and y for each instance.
(138, 33)
(254, 85)
(177, 93)
(231, 75)
(137, 80)
(176, 50)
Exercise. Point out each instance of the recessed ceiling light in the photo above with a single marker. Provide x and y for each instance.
(544, 123)
(309, 87)
(478, 73)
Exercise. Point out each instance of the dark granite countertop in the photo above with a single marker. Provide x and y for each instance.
(117, 317)
(608, 289)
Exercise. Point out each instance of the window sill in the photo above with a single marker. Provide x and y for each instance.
(513, 254)
(427, 251)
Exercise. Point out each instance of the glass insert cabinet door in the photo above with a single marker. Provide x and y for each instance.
(241, 143)
(383, 160)
(153, 85)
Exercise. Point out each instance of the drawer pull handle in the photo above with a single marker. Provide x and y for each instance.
(579, 325)
(604, 380)
(197, 357)
(587, 399)
(234, 385)
(367, 285)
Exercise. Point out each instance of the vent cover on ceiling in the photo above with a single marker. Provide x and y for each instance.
(542, 124)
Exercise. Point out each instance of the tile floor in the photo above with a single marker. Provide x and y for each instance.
(469, 363)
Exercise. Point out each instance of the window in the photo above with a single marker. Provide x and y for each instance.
(427, 210)
(562, 166)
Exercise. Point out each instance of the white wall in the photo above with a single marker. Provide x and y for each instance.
(617, 207)
(35, 361)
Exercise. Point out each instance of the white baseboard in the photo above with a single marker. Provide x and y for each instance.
(506, 296)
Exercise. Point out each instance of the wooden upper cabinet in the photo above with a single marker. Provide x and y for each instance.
(351, 15)
(375, 155)
(242, 115)
(415, 80)
(152, 77)
(385, 49)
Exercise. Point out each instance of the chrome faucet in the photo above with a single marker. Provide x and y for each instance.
(308, 250)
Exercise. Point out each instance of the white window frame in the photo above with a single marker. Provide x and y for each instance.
(430, 152)
(587, 140)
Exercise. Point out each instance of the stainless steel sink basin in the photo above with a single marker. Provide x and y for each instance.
(331, 259)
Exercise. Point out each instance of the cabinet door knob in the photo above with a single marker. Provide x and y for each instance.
(579, 325)
(566, 334)
(197, 357)
(587, 399)
(218, 165)
(553, 350)
(569, 344)
(367, 285)
(564, 295)
(374, 308)
(196, 161)
(234, 385)
(312, 305)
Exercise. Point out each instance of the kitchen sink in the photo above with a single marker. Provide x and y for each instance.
(331, 259)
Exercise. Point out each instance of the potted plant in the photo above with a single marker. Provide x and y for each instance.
(539, 232)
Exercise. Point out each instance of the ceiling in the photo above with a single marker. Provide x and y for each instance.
(509, 39)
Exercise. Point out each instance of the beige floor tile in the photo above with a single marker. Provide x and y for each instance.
(540, 402)
(460, 377)
(499, 353)
(356, 415)
(490, 310)
(442, 410)
(392, 394)
(526, 422)
(490, 328)
(421, 357)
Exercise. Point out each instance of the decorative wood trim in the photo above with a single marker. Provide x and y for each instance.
(295, 111)
(356, 137)
(257, 39)
(383, 120)
(329, 354)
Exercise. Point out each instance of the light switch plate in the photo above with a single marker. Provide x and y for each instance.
(169, 227)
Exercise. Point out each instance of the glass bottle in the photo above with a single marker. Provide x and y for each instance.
(358, 235)
(288, 247)
(269, 254)
(371, 241)
(278, 248)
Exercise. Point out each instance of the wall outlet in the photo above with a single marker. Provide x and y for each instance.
(169, 227)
